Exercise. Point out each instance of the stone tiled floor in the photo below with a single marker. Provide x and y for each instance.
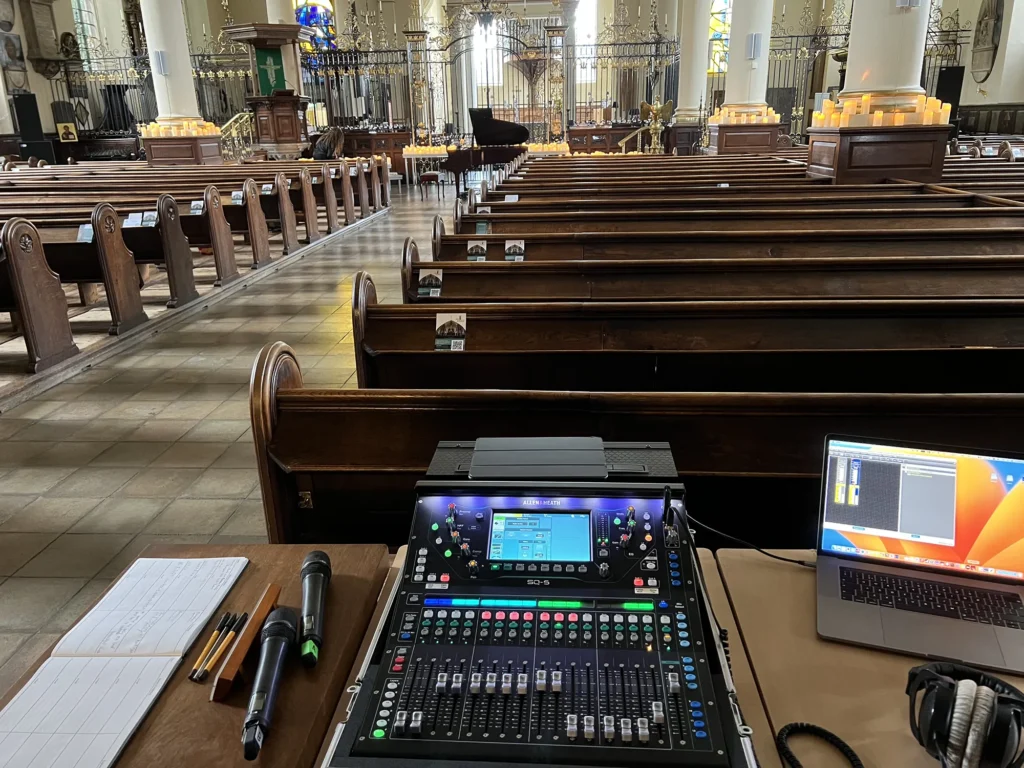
(155, 445)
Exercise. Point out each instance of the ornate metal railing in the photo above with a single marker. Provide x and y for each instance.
(238, 138)
(108, 96)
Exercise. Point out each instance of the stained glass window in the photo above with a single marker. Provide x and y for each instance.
(721, 20)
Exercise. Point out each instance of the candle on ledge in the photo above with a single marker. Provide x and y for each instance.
(921, 102)
(876, 119)
(929, 117)
(834, 120)
(827, 106)
(865, 104)
(898, 119)
(944, 114)
(844, 120)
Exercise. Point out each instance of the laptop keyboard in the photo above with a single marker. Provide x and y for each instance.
(985, 606)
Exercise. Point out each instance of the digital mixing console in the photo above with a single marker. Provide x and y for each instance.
(549, 622)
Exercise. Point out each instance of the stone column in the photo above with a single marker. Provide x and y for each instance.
(747, 80)
(166, 39)
(694, 36)
(886, 54)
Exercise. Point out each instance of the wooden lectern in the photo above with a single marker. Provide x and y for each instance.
(279, 112)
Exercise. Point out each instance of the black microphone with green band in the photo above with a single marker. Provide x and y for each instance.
(316, 576)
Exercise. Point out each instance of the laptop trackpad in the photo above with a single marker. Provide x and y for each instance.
(922, 634)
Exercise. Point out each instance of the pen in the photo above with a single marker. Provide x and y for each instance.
(225, 620)
(223, 646)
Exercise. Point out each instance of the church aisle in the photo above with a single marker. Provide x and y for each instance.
(154, 444)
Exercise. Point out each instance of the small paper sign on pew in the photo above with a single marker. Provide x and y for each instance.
(133, 220)
(483, 228)
(267, 189)
(476, 250)
(515, 250)
(450, 332)
(353, 171)
(1018, 153)
(149, 219)
(85, 233)
(429, 283)
(237, 197)
(482, 209)
(989, 151)
(197, 208)
(511, 198)
(725, 184)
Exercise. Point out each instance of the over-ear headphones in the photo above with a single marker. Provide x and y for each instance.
(966, 718)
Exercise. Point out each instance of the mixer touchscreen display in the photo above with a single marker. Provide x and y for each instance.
(540, 536)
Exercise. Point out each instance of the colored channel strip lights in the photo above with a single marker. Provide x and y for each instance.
(472, 602)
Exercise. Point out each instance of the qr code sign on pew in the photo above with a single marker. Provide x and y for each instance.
(450, 332)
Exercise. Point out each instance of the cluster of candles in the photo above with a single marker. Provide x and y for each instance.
(733, 116)
(435, 150)
(552, 146)
(185, 128)
(858, 112)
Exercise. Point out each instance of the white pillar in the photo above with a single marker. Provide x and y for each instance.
(166, 39)
(694, 38)
(746, 83)
(886, 52)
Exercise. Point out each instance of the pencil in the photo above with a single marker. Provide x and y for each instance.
(225, 620)
(223, 646)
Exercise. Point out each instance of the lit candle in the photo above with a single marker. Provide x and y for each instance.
(921, 102)
(764, 119)
(876, 119)
(865, 104)
(834, 120)
(844, 120)
(898, 119)
(929, 117)
(827, 106)
(944, 113)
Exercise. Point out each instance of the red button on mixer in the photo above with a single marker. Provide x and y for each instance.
(573, 617)
(559, 617)
(485, 615)
(545, 616)
(528, 616)
(499, 615)
(638, 582)
(514, 615)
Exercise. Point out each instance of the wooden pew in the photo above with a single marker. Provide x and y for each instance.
(728, 243)
(880, 277)
(750, 461)
(742, 219)
(771, 346)
(32, 293)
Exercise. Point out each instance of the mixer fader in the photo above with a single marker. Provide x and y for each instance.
(558, 625)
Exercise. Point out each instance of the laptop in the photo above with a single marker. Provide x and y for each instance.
(921, 551)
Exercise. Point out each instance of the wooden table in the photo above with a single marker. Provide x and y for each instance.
(857, 693)
(184, 728)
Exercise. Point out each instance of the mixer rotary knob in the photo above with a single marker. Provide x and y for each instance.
(630, 513)
(464, 549)
(474, 567)
(603, 570)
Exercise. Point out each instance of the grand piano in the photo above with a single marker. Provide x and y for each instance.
(497, 141)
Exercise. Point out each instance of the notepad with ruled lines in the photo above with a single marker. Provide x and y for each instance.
(85, 701)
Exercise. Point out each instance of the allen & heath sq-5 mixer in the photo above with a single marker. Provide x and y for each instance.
(546, 621)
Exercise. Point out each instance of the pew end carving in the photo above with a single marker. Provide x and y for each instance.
(364, 295)
(34, 296)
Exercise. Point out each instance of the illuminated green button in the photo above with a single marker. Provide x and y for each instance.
(434, 527)
(558, 625)
(447, 553)
(378, 734)
(616, 521)
(495, 566)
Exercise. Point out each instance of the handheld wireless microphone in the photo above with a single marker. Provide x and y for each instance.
(275, 641)
(316, 575)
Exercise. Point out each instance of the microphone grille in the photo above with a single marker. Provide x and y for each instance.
(316, 562)
(282, 622)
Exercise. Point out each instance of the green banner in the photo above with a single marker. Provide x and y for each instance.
(270, 69)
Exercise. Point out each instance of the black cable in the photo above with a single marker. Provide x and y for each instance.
(782, 743)
(747, 544)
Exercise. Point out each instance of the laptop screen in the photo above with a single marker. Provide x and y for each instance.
(925, 507)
